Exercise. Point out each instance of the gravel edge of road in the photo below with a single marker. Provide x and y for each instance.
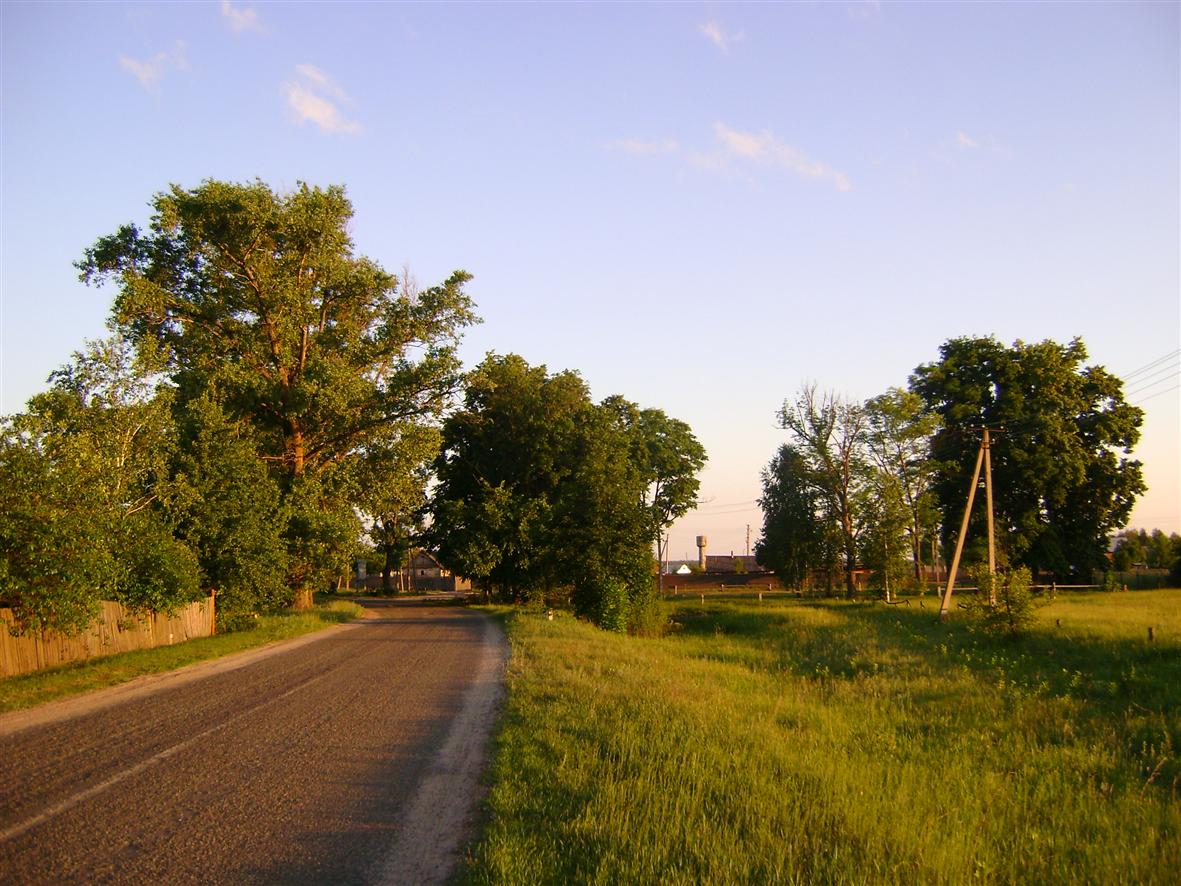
(441, 819)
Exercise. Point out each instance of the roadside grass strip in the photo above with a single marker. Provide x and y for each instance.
(836, 742)
(27, 690)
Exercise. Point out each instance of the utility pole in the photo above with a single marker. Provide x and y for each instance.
(748, 539)
(661, 558)
(983, 457)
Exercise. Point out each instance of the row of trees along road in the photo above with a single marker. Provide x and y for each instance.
(540, 488)
(873, 483)
(267, 396)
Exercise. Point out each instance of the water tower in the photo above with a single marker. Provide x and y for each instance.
(701, 543)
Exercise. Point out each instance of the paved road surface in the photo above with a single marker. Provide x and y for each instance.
(349, 759)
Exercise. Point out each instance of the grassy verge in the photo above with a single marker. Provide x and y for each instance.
(26, 690)
(806, 742)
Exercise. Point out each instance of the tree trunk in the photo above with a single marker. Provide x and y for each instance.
(390, 564)
(303, 598)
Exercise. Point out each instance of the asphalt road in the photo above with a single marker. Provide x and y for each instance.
(353, 758)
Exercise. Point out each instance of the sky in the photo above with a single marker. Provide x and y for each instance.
(699, 206)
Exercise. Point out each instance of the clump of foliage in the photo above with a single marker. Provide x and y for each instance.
(1062, 474)
(85, 484)
(541, 488)
(255, 301)
(1004, 603)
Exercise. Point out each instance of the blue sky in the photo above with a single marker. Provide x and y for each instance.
(698, 206)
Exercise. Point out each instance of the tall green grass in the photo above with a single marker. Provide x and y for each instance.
(26, 690)
(838, 742)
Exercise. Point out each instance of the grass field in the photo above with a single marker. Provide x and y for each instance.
(836, 742)
(26, 690)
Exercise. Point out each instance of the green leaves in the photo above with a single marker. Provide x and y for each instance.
(541, 489)
(86, 478)
(255, 301)
(1060, 483)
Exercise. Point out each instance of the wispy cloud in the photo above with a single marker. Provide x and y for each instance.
(864, 10)
(321, 81)
(150, 71)
(964, 140)
(240, 20)
(763, 147)
(313, 96)
(641, 148)
(718, 37)
(735, 149)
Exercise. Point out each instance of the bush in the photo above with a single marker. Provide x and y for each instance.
(161, 573)
(1015, 609)
(614, 607)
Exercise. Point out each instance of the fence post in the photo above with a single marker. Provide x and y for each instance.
(1151, 634)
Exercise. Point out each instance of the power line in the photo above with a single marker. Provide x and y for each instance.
(1166, 373)
(1148, 386)
(1157, 394)
(732, 504)
(1147, 366)
(746, 510)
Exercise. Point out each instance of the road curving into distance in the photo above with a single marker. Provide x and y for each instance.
(351, 756)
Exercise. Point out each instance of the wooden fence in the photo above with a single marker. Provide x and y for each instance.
(116, 630)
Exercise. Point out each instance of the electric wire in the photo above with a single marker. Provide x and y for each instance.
(1157, 394)
(1135, 372)
(1166, 373)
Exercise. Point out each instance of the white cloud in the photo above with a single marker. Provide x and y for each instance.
(764, 147)
(964, 140)
(719, 38)
(240, 20)
(322, 81)
(311, 98)
(150, 71)
(641, 148)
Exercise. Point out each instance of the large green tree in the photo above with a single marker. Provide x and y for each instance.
(669, 457)
(539, 489)
(393, 491)
(898, 439)
(1062, 476)
(257, 298)
(505, 458)
(793, 540)
(829, 435)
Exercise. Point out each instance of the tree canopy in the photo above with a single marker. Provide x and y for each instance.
(256, 300)
(85, 490)
(829, 436)
(1062, 476)
(539, 488)
(793, 540)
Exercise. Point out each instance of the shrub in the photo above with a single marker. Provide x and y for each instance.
(614, 607)
(1014, 611)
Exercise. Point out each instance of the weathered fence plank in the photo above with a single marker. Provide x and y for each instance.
(116, 630)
